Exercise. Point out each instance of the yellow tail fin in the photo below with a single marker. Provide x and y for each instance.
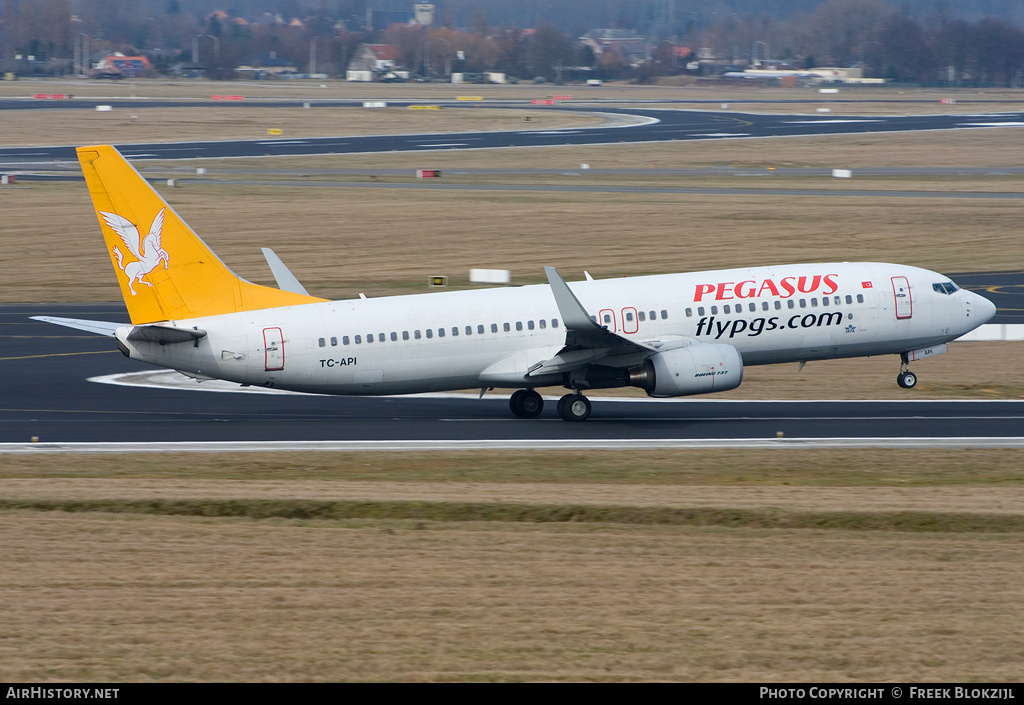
(165, 270)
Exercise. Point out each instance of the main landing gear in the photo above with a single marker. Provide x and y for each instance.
(906, 379)
(527, 404)
(574, 407)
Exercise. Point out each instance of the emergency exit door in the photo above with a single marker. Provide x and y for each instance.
(273, 344)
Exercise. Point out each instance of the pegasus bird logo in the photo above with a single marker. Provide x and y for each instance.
(146, 250)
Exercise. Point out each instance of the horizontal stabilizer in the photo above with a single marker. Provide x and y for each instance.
(98, 327)
(165, 334)
(286, 281)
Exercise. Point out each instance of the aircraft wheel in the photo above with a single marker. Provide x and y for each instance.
(574, 407)
(532, 404)
(907, 380)
(526, 403)
(515, 402)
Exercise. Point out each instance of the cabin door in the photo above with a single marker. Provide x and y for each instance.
(901, 292)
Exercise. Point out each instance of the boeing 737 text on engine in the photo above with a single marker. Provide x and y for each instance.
(670, 335)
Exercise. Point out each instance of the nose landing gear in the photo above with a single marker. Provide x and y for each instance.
(905, 379)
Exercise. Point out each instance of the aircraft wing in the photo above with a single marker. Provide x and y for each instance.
(98, 327)
(585, 340)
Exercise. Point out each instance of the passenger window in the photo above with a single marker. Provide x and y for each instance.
(664, 314)
(405, 335)
(455, 331)
(394, 335)
(416, 334)
(714, 311)
(430, 333)
(764, 305)
(700, 310)
(334, 341)
(753, 307)
(440, 332)
(369, 338)
(725, 309)
(469, 330)
(837, 300)
(543, 324)
(506, 327)
(654, 316)
(860, 298)
(554, 323)
(359, 339)
(778, 305)
(814, 302)
(480, 329)
(803, 303)
(344, 340)
(824, 301)
(790, 303)
(529, 324)
(494, 327)
(519, 325)
(849, 299)
(323, 343)
(641, 316)
(607, 319)
(689, 312)
(629, 315)
(380, 337)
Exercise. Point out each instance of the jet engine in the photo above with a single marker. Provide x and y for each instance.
(696, 369)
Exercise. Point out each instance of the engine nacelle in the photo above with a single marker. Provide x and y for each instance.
(695, 369)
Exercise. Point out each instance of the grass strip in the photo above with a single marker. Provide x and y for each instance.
(764, 518)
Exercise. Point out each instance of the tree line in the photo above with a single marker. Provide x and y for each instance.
(889, 41)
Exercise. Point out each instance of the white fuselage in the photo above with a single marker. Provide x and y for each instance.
(491, 337)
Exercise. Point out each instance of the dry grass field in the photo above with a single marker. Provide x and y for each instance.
(123, 125)
(850, 99)
(703, 566)
(782, 565)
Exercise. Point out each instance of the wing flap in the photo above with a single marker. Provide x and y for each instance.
(566, 360)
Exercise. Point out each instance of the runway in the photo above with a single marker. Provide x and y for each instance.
(625, 125)
(47, 393)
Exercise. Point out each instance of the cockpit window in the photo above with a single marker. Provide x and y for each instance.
(945, 287)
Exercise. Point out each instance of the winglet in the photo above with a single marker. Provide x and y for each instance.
(168, 273)
(573, 314)
(286, 281)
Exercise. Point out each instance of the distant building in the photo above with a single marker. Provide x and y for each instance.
(121, 66)
(268, 65)
(375, 57)
(423, 13)
(628, 45)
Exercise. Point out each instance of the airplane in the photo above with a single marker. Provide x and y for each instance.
(671, 335)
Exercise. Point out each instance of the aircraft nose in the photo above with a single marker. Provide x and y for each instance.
(984, 310)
